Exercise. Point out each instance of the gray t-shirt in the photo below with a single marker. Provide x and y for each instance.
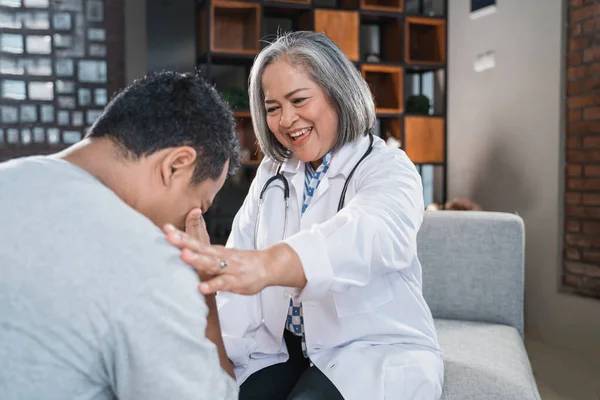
(94, 303)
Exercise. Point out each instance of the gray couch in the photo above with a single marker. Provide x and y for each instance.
(473, 280)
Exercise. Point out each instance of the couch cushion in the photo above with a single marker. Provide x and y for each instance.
(484, 361)
(473, 266)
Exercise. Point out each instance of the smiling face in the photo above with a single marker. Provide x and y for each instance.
(298, 112)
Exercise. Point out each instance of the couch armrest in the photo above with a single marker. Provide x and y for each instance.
(473, 266)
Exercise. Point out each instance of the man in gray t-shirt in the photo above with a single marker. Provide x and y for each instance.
(94, 303)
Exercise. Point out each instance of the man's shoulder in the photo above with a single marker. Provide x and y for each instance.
(82, 218)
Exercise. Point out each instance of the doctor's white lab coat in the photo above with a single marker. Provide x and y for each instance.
(367, 326)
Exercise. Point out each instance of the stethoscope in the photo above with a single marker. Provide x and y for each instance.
(286, 193)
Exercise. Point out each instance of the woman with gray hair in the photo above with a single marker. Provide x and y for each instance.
(319, 286)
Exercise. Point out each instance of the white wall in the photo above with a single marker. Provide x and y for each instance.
(505, 148)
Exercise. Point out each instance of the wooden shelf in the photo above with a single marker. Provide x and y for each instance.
(251, 154)
(382, 5)
(425, 40)
(424, 139)
(235, 27)
(422, 68)
(387, 86)
(342, 27)
(343, 4)
(290, 1)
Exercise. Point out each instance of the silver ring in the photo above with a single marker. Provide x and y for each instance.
(223, 264)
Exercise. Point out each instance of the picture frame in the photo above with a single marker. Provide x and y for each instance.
(482, 8)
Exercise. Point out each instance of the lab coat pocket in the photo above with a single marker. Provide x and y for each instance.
(363, 299)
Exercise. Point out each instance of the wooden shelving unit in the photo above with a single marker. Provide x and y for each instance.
(400, 51)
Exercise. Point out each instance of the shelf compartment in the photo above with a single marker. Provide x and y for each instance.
(435, 8)
(390, 130)
(430, 8)
(230, 80)
(428, 83)
(342, 27)
(380, 39)
(425, 40)
(382, 5)
(386, 83)
(285, 17)
(249, 149)
(424, 139)
(236, 27)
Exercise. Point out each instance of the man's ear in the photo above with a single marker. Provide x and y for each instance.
(178, 163)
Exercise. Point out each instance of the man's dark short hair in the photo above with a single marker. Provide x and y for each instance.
(170, 109)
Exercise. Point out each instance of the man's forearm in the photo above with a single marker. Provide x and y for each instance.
(213, 333)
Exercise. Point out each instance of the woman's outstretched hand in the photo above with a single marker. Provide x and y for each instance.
(221, 269)
(238, 271)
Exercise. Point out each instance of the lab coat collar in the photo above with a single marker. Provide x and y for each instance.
(342, 160)
(292, 165)
(346, 158)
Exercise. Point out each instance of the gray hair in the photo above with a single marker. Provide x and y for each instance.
(327, 66)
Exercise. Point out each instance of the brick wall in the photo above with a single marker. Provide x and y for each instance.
(581, 267)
